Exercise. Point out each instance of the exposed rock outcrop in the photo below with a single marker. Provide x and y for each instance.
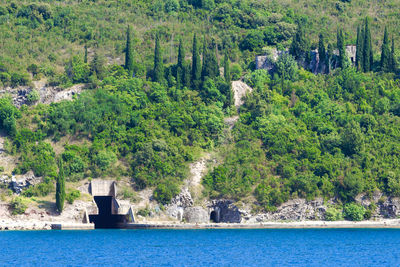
(21, 182)
(196, 215)
(178, 204)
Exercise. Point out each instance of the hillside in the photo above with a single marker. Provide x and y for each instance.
(153, 102)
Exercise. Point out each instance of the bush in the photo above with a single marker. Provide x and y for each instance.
(72, 196)
(18, 205)
(236, 72)
(354, 212)
(144, 212)
(33, 96)
(40, 190)
(164, 192)
(333, 214)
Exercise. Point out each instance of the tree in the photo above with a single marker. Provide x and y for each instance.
(385, 54)
(341, 48)
(300, 45)
(60, 187)
(196, 65)
(129, 53)
(181, 55)
(367, 48)
(180, 67)
(158, 72)
(393, 61)
(85, 57)
(359, 49)
(97, 65)
(227, 73)
(322, 53)
(286, 67)
(210, 63)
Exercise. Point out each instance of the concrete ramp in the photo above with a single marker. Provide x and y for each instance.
(103, 188)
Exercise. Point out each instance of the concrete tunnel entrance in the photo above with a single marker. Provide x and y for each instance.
(109, 213)
(105, 219)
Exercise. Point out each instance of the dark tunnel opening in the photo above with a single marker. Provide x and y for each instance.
(106, 219)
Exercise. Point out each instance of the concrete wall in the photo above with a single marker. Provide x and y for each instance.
(103, 188)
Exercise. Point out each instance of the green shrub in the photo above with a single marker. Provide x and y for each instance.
(72, 196)
(165, 191)
(18, 205)
(354, 212)
(144, 212)
(333, 214)
(33, 96)
(40, 190)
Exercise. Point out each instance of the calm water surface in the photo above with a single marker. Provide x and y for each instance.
(344, 247)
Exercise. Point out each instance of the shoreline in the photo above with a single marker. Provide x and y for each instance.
(47, 225)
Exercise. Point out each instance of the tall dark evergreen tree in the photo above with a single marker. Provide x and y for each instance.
(359, 49)
(227, 72)
(393, 61)
(300, 46)
(180, 66)
(181, 55)
(196, 64)
(129, 52)
(341, 48)
(60, 187)
(367, 48)
(322, 53)
(210, 63)
(85, 59)
(186, 76)
(385, 53)
(158, 71)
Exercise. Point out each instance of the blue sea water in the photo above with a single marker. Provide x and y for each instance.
(284, 247)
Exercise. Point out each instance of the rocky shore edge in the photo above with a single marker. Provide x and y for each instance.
(46, 225)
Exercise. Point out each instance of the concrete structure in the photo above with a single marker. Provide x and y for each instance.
(108, 214)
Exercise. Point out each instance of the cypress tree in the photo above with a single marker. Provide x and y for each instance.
(60, 187)
(196, 65)
(341, 48)
(85, 59)
(181, 55)
(328, 58)
(299, 46)
(158, 72)
(393, 61)
(129, 52)
(322, 53)
(367, 48)
(358, 48)
(204, 63)
(385, 54)
(227, 72)
(186, 76)
(210, 65)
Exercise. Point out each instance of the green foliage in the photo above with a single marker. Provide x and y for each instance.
(40, 190)
(210, 63)
(8, 115)
(60, 187)
(385, 52)
(367, 47)
(300, 45)
(333, 214)
(341, 48)
(72, 196)
(286, 67)
(33, 96)
(353, 212)
(158, 71)
(196, 64)
(18, 205)
(164, 192)
(129, 52)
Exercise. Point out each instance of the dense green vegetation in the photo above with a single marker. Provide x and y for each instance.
(156, 96)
